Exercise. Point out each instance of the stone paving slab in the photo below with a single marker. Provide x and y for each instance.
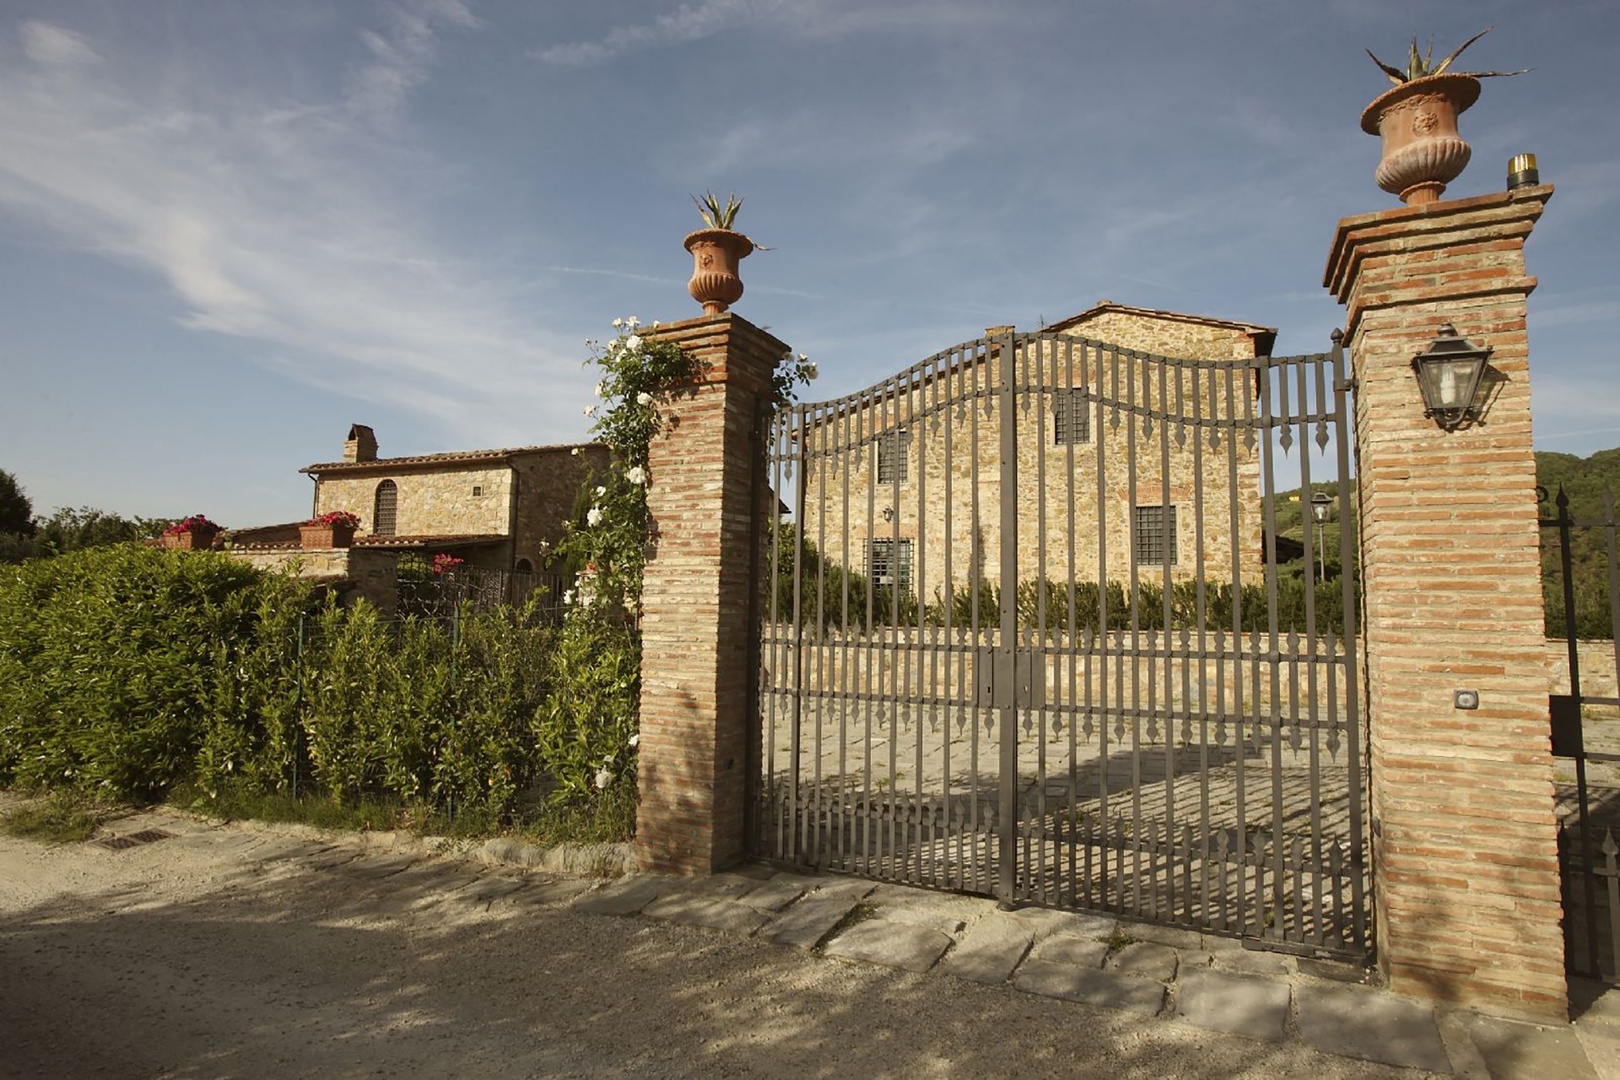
(1173, 937)
(1106, 988)
(1046, 922)
(1147, 959)
(892, 944)
(772, 896)
(555, 891)
(489, 888)
(1518, 1051)
(1370, 1025)
(1247, 1005)
(1225, 954)
(811, 919)
(991, 948)
(947, 913)
(1085, 952)
(377, 867)
(625, 896)
(716, 913)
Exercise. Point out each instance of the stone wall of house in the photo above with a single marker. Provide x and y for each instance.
(1070, 494)
(448, 501)
(1597, 667)
(356, 571)
(547, 483)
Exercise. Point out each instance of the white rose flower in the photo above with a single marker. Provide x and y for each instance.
(603, 778)
(601, 388)
(617, 323)
(636, 475)
(811, 371)
(644, 398)
(590, 410)
(568, 597)
(574, 452)
(594, 517)
(635, 740)
(633, 341)
(632, 322)
(601, 491)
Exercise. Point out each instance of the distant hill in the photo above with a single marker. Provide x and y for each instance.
(1586, 481)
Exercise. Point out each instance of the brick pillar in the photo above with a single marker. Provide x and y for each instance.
(698, 735)
(1465, 847)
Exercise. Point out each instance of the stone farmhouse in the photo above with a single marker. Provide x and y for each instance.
(498, 510)
(914, 488)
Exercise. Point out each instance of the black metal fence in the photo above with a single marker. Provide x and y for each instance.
(467, 588)
(1586, 734)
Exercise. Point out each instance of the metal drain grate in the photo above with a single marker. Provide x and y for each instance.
(123, 843)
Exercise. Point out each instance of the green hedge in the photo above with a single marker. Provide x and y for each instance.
(127, 671)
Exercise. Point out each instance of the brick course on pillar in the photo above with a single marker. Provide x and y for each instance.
(1465, 845)
(698, 742)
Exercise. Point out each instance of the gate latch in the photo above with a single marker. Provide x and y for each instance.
(1009, 678)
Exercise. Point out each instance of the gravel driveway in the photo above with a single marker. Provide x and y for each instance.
(263, 952)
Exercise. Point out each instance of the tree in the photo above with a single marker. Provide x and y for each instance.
(16, 510)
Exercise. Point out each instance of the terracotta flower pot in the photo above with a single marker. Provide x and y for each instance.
(715, 255)
(1418, 123)
(195, 540)
(322, 537)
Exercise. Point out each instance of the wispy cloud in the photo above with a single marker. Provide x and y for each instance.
(54, 46)
(689, 22)
(287, 224)
(403, 54)
(810, 19)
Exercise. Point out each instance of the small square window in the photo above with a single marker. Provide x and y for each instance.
(478, 489)
(893, 453)
(888, 563)
(1071, 417)
(1155, 535)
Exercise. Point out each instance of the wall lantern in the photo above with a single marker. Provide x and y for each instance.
(1321, 507)
(1449, 372)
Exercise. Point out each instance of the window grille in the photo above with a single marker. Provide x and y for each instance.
(1071, 417)
(1155, 539)
(888, 562)
(893, 453)
(386, 505)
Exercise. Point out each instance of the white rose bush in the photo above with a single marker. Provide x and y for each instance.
(589, 733)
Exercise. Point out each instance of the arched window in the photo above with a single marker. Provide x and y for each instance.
(524, 566)
(382, 518)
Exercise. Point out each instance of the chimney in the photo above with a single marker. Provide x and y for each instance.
(361, 445)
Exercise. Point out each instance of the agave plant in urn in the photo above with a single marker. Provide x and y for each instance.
(1417, 120)
(716, 252)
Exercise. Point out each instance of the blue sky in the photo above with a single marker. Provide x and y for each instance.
(229, 229)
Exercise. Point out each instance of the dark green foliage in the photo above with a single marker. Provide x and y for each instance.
(130, 671)
(1586, 482)
(16, 510)
(107, 664)
(837, 599)
(587, 729)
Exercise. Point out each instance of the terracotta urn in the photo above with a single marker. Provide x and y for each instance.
(1418, 123)
(322, 537)
(715, 255)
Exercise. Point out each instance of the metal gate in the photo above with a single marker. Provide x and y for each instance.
(1586, 730)
(1039, 625)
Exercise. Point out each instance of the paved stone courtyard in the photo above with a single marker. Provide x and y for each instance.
(1176, 977)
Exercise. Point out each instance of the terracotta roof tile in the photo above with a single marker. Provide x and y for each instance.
(456, 457)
